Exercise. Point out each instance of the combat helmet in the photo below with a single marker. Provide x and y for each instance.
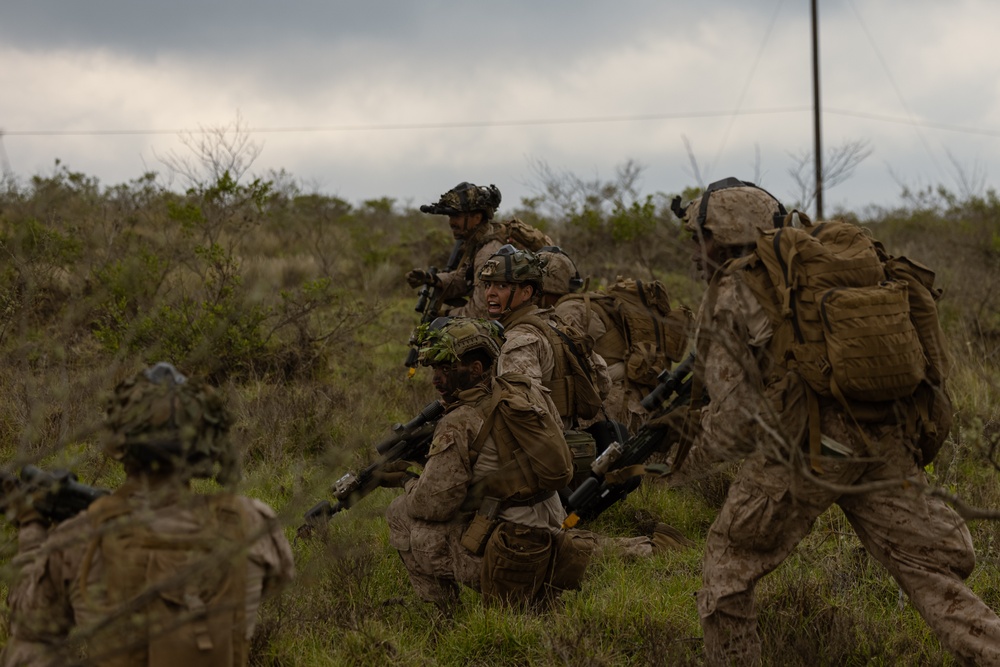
(447, 339)
(466, 198)
(559, 273)
(734, 211)
(162, 420)
(511, 265)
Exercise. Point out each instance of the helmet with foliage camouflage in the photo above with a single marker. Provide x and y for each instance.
(511, 265)
(162, 419)
(559, 273)
(447, 339)
(466, 198)
(734, 211)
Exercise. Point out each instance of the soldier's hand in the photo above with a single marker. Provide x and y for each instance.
(395, 474)
(418, 277)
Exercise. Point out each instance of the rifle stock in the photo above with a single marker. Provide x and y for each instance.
(596, 494)
(407, 442)
(429, 300)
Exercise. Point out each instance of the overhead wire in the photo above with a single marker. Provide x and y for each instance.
(895, 87)
(746, 88)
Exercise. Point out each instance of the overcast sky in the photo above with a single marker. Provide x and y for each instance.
(405, 99)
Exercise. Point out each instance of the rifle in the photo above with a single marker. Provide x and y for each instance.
(56, 495)
(429, 300)
(597, 493)
(407, 442)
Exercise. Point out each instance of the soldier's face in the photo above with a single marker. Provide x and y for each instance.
(501, 297)
(461, 225)
(449, 379)
(707, 255)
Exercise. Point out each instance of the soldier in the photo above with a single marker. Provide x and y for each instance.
(470, 209)
(153, 573)
(758, 412)
(531, 347)
(428, 521)
(513, 280)
(632, 325)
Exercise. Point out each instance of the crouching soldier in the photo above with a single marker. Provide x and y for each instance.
(153, 574)
(484, 512)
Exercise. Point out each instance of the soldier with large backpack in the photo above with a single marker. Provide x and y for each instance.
(633, 327)
(154, 573)
(470, 209)
(821, 356)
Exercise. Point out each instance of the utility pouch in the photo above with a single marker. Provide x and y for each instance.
(515, 564)
(481, 527)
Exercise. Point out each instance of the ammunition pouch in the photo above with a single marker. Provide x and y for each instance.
(515, 564)
(583, 447)
(481, 528)
(573, 550)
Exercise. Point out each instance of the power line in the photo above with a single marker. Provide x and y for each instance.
(516, 123)
(909, 121)
(421, 126)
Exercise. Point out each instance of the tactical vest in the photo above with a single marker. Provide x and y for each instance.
(169, 599)
(573, 385)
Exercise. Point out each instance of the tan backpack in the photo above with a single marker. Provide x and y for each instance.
(856, 325)
(643, 331)
(169, 599)
(530, 443)
(573, 387)
(522, 235)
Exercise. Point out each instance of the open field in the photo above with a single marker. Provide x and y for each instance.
(295, 303)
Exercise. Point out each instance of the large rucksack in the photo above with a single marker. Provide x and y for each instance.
(857, 325)
(643, 331)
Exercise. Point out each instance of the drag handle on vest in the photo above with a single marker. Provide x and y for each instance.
(407, 442)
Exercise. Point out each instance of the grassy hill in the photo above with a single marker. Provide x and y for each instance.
(295, 303)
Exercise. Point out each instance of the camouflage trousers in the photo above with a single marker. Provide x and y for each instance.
(432, 554)
(919, 539)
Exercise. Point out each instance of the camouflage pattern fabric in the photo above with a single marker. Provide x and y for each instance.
(527, 351)
(426, 522)
(623, 400)
(48, 598)
(463, 281)
(773, 504)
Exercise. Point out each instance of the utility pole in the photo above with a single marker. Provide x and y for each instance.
(817, 134)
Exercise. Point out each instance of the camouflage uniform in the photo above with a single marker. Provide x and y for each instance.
(426, 522)
(623, 401)
(61, 584)
(153, 573)
(526, 350)
(771, 505)
(482, 244)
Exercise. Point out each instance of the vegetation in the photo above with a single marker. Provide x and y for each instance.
(295, 303)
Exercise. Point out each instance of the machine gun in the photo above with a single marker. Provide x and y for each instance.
(56, 494)
(610, 479)
(429, 299)
(407, 442)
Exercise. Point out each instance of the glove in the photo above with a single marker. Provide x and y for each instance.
(395, 474)
(418, 277)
